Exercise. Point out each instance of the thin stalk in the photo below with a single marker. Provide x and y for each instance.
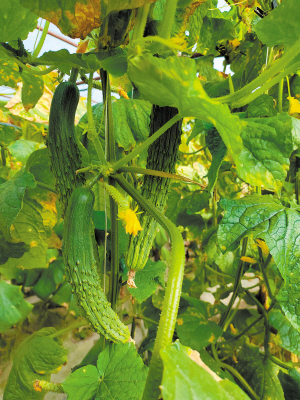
(73, 76)
(239, 377)
(154, 172)
(172, 295)
(217, 273)
(46, 187)
(280, 93)
(247, 99)
(146, 319)
(280, 363)
(49, 386)
(68, 329)
(168, 19)
(125, 160)
(266, 318)
(237, 284)
(141, 21)
(194, 152)
(275, 68)
(91, 125)
(41, 41)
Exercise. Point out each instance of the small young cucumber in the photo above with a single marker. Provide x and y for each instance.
(81, 264)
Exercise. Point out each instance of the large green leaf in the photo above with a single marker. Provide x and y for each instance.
(281, 26)
(288, 337)
(183, 378)
(11, 199)
(15, 21)
(32, 90)
(218, 151)
(120, 374)
(78, 18)
(13, 307)
(50, 279)
(8, 133)
(28, 227)
(195, 331)
(260, 372)
(37, 357)
(264, 217)
(290, 383)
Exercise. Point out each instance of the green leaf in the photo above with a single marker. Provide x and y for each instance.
(8, 133)
(198, 128)
(11, 199)
(9, 72)
(15, 21)
(32, 90)
(265, 218)
(131, 120)
(21, 149)
(10, 249)
(214, 30)
(50, 279)
(183, 378)
(120, 375)
(28, 227)
(38, 163)
(37, 357)
(147, 280)
(195, 331)
(281, 26)
(218, 151)
(290, 383)
(260, 372)
(288, 336)
(263, 106)
(13, 307)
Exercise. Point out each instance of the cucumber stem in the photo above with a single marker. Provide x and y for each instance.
(125, 160)
(172, 296)
(275, 68)
(41, 41)
(91, 125)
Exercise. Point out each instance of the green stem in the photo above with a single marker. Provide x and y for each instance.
(266, 317)
(217, 273)
(155, 172)
(74, 74)
(141, 21)
(280, 363)
(146, 319)
(239, 377)
(237, 284)
(168, 19)
(33, 71)
(172, 295)
(91, 126)
(69, 328)
(280, 93)
(125, 160)
(46, 187)
(275, 68)
(266, 86)
(194, 152)
(41, 41)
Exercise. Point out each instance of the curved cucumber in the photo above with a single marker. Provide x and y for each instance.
(162, 156)
(63, 145)
(79, 257)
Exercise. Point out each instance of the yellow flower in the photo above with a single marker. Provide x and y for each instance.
(294, 105)
(130, 220)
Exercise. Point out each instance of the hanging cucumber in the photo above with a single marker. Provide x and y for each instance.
(64, 148)
(81, 264)
(162, 156)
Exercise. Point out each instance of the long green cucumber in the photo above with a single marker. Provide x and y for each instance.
(162, 156)
(81, 264)
(64, 148)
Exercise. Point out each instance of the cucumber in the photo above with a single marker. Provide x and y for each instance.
(80, 260)
(64, 148)
(162, 156)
